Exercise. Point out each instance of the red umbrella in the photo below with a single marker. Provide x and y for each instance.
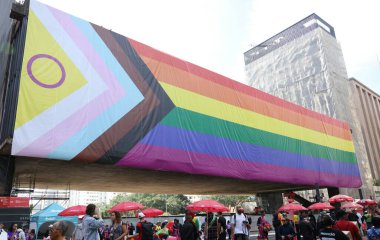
(320, 206)
(340, 198)
(73, 211)
(352, 206)
(126, 207)
(207, 206)
(152, 212)
(292, 207)
(367, 202)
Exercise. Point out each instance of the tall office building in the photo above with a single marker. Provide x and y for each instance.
(87, 197)
(367, 105)
(304, 64)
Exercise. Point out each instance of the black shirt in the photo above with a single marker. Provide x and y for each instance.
(331, 234)
(188, 231)
(223, 224)
(286, 229)
(306, 230)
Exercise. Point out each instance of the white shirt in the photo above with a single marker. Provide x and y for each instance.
(21, 235)
(240, 227)
(3, 235)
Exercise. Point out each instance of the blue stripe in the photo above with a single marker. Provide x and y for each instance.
(177, 138)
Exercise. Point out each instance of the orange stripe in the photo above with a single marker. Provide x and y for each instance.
(144, 50)
(179, 78)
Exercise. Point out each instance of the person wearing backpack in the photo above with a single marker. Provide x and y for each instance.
(189, 230)
(144, 229)
(374, 232)
(240, 225)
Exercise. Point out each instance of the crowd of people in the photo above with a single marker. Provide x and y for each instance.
(16, 233)
(339, 225)
(215, 227)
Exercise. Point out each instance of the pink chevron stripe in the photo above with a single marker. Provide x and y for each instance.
(168, 159)
(72, 124)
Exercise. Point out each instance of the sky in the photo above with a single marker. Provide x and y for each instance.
(215, 33)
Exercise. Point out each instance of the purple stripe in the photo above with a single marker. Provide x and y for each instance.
(70, 126)
(166, 159)
(198, 142)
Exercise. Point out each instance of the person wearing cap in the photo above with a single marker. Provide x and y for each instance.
(188, 229)
(144, 229)
(344, 224)
(59, 230)
(3, 233)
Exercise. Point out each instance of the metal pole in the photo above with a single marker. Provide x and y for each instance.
(361, 193)
(318, 194)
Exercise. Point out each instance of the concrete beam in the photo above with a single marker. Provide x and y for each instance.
(54, 174)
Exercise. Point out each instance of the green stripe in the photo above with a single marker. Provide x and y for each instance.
(193, 121)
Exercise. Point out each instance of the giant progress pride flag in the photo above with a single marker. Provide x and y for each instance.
(90, 94)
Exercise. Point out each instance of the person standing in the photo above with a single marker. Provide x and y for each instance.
(229, 229)
(343, 224)
(59, 230)
(3, 233)
(374, 232)
(367, 218)
(78, 231)
(286, 231)
(12, 233)
(240, 225)
(189, 231)
(176, 228)
(222, 227)
(211, 231)
(327, 232)
(306, 228)
(276, 222)
(92, 221)
(144, 229)
(21, 234)
(118, 230)
(263, 226)
(31, 235)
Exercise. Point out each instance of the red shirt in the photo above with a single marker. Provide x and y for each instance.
(344, 225)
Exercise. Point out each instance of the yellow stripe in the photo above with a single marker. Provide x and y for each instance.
(204, 105)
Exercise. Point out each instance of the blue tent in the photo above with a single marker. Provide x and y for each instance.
(48, 216)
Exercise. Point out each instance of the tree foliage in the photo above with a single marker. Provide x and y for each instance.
(175, 204)
(231, 201)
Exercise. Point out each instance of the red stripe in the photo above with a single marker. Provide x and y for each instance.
(150, 52)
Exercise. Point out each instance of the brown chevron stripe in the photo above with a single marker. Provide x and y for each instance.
(103, 146)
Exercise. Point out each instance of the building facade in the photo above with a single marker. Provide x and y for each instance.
(87, 197)
(304, 64)
(367, 106)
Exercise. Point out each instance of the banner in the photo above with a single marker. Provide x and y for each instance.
(89, 94)
(14, 202)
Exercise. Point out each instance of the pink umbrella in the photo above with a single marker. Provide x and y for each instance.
(367, 202)
(126, 207)
(320, 206)
(207, 206)
(152, 212)
(73, 211)
(291, 207)
(340, 198)
(352, 206)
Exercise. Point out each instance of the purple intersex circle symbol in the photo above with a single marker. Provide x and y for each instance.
(36, 81)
